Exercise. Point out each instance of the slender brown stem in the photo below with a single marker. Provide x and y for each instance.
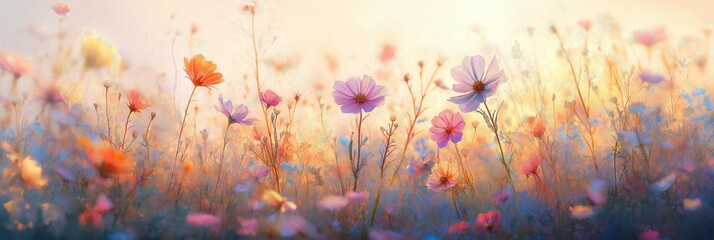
(503, 156)
(220, 165)
(178, 142)
(126, 128)
(357, 167)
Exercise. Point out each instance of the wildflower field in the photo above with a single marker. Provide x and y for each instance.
(581, 129)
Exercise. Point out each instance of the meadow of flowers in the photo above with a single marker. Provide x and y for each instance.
(611, 141)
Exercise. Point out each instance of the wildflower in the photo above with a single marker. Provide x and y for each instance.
(664, 184)
(531, 164)
(585, 24)
(489, 222)
(93, 215)
(503, 196)
(202, 72)
(357, 95)
(356, 196)
(476, 84)
(96, 53)
(596, 192)
(237, 116)
(106, 160)
(443, 176)
(388, 52)
(292, 224)
(458, 228)
(581, 212)
(137, 102)
(650, 77)
(14, 64)
(270, 98)
(691, 204)
(274, 199)
(31, 173)
(651, 37)
(248, 226)
(333, 203)
(61, 8)
(203, 220)
(187, 167)
(537, 129)
(448, 126)
(649, 234)
(51, 96)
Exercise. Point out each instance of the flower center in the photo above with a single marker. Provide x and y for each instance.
(443, 180)
(361, 98)
(448, 129)
(478, 86)
(489, 226)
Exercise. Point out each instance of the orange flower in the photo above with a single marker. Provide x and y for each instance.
(187, 167)
(105, 159)
(109, 161)
(201, 71)
(137, 102)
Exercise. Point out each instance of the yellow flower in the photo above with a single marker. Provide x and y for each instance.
(274, 199)
(32, 173)
(96, 53)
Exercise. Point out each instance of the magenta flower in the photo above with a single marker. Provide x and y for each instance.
(237, 116)
(474, 83)
(448, 126)
(650, 77)
(650, 38)
(357, 95)
(489, 222)
(270, 98)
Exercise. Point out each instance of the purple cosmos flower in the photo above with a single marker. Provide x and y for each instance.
(474, 83)
(651, 77)
(357, 95)
(270, 98)
(448, 126)
(238, 116)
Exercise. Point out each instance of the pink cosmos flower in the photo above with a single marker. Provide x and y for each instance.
(650, 77)
(448, 126)
(585, 24)
(503, 196)
(356, 196)
(597, 193)
(649, 234)
(651, 37)
(333, 203)
(270, 98)
(61, 8)
(475, 84)
(357, 95)
(94, 215)
(489, 222)
(248, 226)
(203, 220)
(388, 52)
(237, 116)
(14, 64)
(444, 175)
(530, 166)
